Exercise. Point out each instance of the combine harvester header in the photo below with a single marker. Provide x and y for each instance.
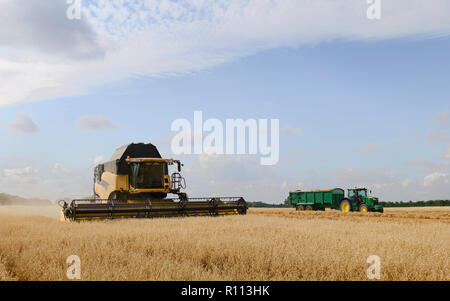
(135, 183)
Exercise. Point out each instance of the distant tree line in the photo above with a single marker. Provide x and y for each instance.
(265, 205)
(437, 203)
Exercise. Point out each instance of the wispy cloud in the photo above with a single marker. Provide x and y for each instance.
(290, 130)
(436, 179)
(438, 136)
(42, 27)
(215, 175)
(444, 119)
(59, 169)
(97, 160)
(370, 148)
(95, 122)
(447, 153)
(53, 182)
(48, 56)
(23, 123)
(429, 165)
(19, 172)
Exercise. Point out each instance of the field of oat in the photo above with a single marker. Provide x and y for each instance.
(267, 244)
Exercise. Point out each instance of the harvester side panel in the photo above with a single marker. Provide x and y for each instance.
(108, 183)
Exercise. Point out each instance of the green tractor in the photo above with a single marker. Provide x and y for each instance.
(356, 200)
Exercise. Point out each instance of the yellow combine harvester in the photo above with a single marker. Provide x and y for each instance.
(135, 183)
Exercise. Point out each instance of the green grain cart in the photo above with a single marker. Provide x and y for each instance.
(357, 200)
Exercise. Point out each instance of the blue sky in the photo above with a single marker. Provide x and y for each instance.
(370, 111)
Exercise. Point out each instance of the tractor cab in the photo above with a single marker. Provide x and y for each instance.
(362, 202)
(357, 193)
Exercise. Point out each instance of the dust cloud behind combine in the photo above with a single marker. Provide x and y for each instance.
(51, 211)
(267, 244)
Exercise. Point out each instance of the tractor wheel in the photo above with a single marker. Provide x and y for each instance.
(363, 208)
(241, 204)
(300, 208)
(309, 208)
(345, 206)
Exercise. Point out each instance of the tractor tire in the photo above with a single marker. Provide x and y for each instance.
(363, 208)
(309, 208)
(345, 206)
(241, 203)
(300, 208)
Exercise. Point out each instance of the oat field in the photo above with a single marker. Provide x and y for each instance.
(266, 244)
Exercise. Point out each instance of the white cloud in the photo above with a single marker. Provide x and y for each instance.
(351, 177)
(436, 178)
(97, 160)
(386, 184)
(370, 148)
(44, 28)
(213, 175)
(235, 176)
(447, 153)
(19, 172)
(23, 123)
(51, 183)
(290, 130)
(405, 183)
(438, 136)
(48, 56)
(444, 119)
(59, 169)
(429, 165)
(95, 122)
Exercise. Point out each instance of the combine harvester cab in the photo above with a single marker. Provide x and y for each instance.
(135, 183)
(357, 200)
